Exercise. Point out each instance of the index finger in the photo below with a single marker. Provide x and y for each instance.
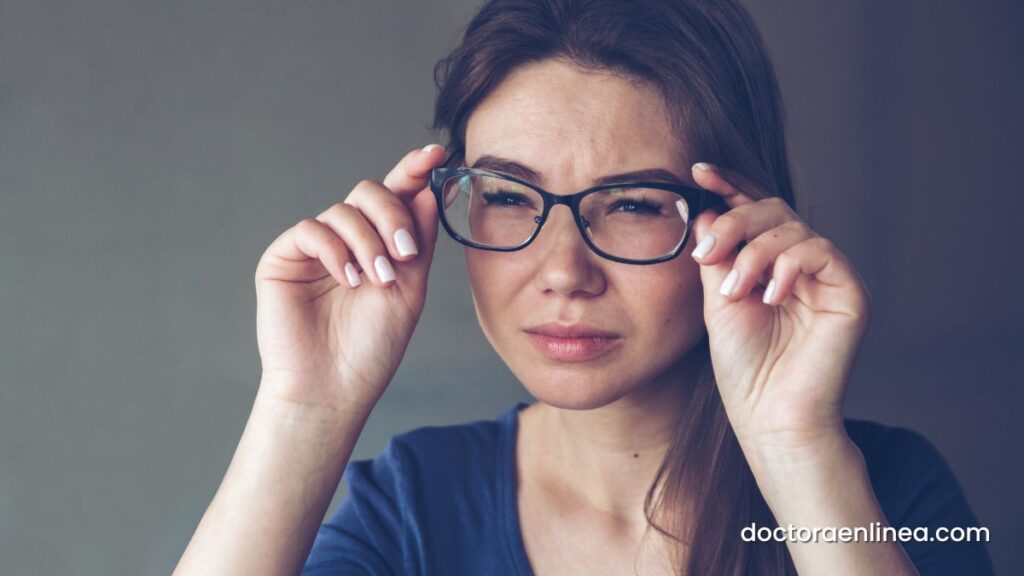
(731, 187)
(412, 173)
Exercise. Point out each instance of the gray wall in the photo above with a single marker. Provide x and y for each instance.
(149, 152)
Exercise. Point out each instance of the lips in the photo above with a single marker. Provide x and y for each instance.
(578, 330)
(572, 343)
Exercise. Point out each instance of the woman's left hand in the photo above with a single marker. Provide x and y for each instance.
(781, 367)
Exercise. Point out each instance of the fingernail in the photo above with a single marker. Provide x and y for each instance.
(406, 245)
(351, 275)
(704, 247)
(684, 210)
(769, 292)
(384, 270)
(430, 147)
(702, 166)
(729, 283)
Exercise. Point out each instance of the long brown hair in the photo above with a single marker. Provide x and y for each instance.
(709, 63)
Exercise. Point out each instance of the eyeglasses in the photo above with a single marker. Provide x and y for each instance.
(628, 222)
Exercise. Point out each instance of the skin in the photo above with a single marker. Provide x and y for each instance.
(595, 415)
(337, 303)
(590, 446)
(781, 367)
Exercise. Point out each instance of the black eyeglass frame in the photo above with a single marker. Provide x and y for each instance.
(695, 197)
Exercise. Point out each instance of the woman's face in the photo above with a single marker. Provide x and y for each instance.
(572, 127)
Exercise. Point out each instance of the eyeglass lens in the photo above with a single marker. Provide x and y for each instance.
(629, 223)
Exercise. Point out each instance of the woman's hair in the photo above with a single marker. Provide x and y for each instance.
(710, 65)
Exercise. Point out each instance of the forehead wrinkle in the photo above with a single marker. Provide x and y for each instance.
(568, 151)
(571, 126)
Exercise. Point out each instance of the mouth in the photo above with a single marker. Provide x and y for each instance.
(572, 343)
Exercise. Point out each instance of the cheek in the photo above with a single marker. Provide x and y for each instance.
(674, 297)
(492, 278)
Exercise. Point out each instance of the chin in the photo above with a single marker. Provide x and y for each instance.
(573, 388)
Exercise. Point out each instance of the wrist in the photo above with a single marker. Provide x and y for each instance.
(803, 437)
(793, 452)
(299, 404)
(290, 457)
(287, 440)
(808, 465)
(278, 486)
(791, 449)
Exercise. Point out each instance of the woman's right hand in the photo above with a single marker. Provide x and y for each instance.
(327, 344)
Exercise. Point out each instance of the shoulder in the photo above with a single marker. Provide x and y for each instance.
(894, 450)
(917, 488)
(901, 462)
(448, 444)
(425, 504)
(903, 465)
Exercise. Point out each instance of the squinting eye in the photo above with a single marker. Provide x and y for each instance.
(503, 198)
(641, 206)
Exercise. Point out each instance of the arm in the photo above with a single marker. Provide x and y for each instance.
(265, 515)
(330, 340)
(786, 314)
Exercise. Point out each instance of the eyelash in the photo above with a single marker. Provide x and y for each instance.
(491, 198)
(642, 205)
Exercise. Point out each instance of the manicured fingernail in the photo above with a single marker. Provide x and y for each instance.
(351, 275)
(702, 166)
(430, 147)
(769, 292)
(729, 283)
(704, 247)
(406, 245)
(684, 210)
(384, 270)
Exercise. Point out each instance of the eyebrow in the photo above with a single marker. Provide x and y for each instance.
(513, 168)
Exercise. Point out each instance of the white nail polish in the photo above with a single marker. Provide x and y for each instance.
(430, 147)
(702, 166)
(769, 292)
(351, 275)
(704, 247)
(730, 282)
(684, 210)
(384, 270)
(406, 245)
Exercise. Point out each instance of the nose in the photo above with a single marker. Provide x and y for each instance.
(566, 265)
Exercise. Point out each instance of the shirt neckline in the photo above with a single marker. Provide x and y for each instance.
(508, 509)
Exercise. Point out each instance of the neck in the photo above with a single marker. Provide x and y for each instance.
(606, 458)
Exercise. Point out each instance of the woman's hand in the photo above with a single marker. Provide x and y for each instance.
(339, 295)
(781, 366)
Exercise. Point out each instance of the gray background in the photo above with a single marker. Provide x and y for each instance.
(149, 152)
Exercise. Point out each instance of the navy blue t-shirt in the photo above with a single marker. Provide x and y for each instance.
(442, 500)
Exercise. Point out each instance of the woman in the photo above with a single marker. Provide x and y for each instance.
(617, 172)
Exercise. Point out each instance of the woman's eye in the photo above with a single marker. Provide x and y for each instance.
(502, 198)
(636, 207)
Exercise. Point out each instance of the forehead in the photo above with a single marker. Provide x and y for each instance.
(562, 120)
